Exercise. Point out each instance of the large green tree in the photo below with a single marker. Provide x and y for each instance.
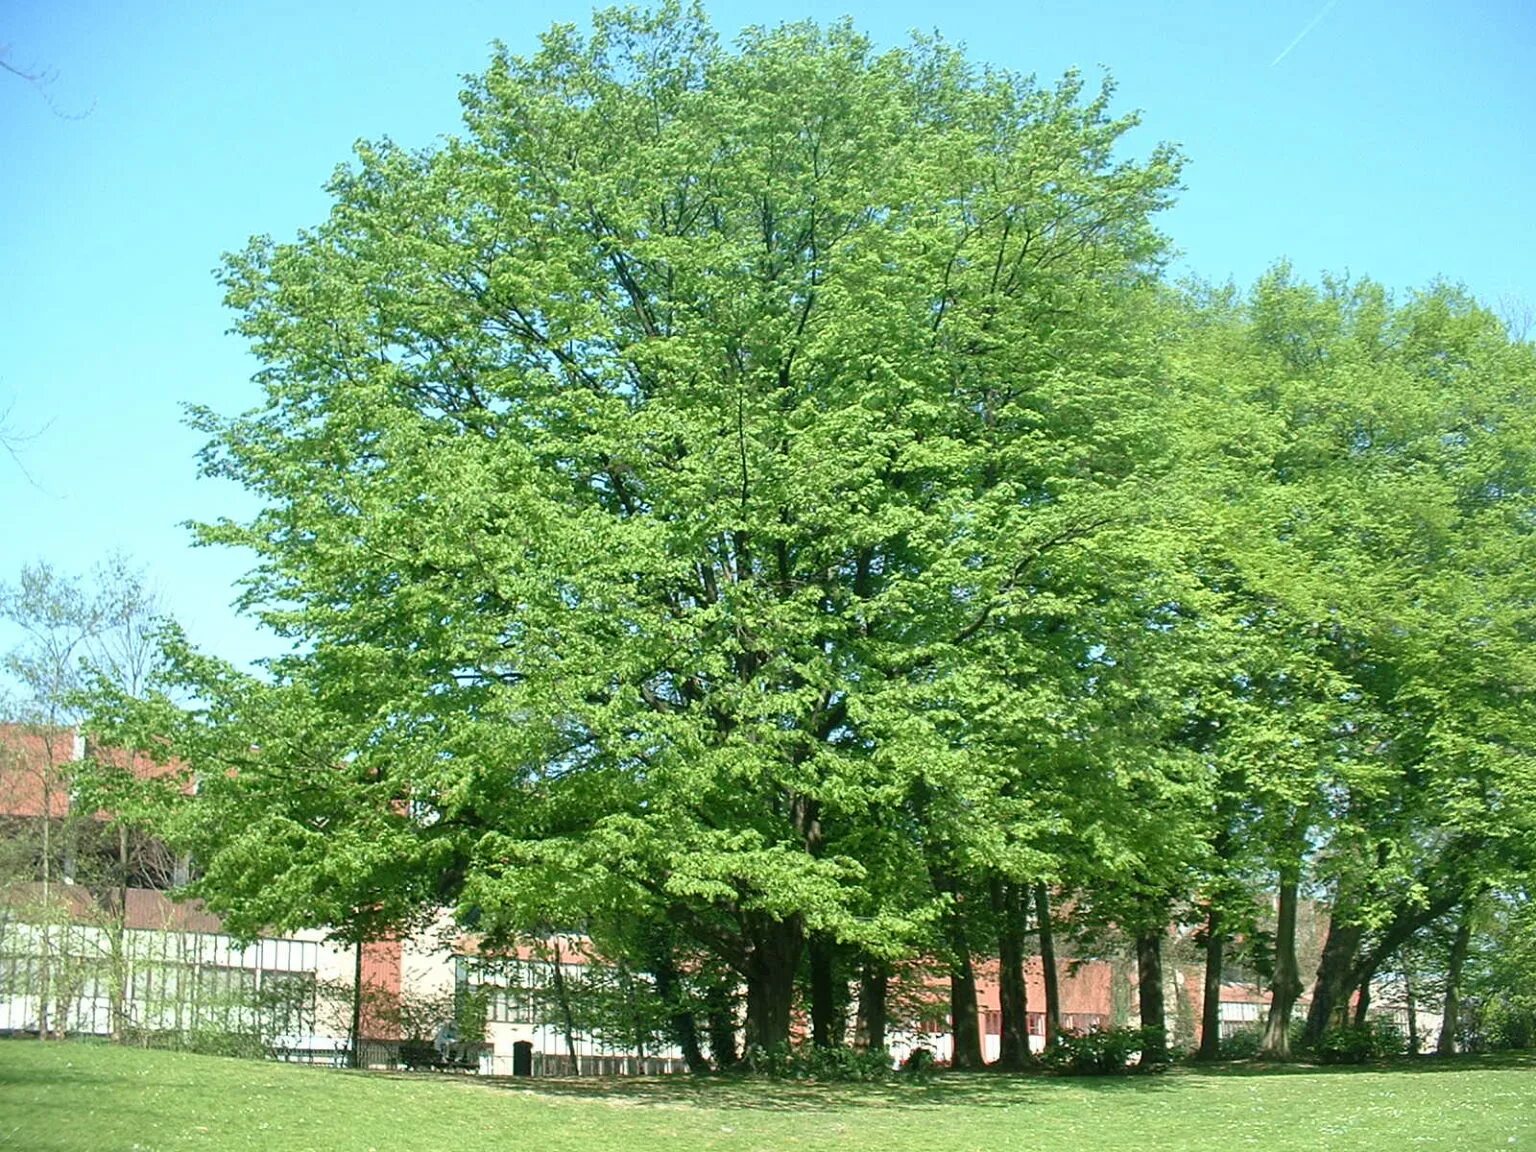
(640, 466)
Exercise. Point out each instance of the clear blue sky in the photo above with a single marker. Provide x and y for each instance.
(1395, 138)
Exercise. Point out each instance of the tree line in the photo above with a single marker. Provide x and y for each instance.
(766, 506)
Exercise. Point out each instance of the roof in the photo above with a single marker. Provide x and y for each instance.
(147, 909)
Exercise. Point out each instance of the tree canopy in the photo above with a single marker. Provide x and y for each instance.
(766, 501)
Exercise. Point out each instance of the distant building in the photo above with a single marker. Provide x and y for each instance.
(125, 958)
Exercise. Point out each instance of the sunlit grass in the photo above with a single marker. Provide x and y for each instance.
(96, 1097)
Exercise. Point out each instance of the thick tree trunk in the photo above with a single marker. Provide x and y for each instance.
(1331, 990)
(874, 987)
(774, 958)
(681, 1021)
(1210, 1008)
(1048, 964)
(721, 1020)
(1286, 986)
(827, 1006)
(1363, 1000)
(1348, 972)
(964, 1022)
(1149, 995)
(1450, 1018)
(1409, 918)
(1013, 1045)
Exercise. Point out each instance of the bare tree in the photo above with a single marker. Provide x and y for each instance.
(69, 629)
(1518, 317)
(40, 80)
(14, 438)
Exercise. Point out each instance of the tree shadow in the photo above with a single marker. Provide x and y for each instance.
(972, 1089)
(1416, 1065)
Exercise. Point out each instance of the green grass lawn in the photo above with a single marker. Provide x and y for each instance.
(95, 1097)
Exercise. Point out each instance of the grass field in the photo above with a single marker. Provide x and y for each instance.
(93, 1098)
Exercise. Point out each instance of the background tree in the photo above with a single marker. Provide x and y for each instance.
(68, 627)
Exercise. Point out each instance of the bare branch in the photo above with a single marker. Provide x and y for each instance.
(40, 81)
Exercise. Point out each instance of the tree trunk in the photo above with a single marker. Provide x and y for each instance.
(827, 1021)
(357, 1004)
(567, 1019)
(117, 934)
(1013, 1044)
(772, 962)
(44, 952)
(1330, 992)
(683, 1025)
(721, 1019)
(965, 1023)
(1048, 964)
(1287, 982)
(1450, 1018)
(965, 1026)
(1149, 995)
(1363, 1001)
(1210, 1008)
(874, 986)
(1409, 917)
(1413, 1009)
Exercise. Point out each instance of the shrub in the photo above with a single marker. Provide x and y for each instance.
(1243, 1044)
(1499, 1025)
(1357, 1043)
(204, 1041)
(810, 1062)
(920, 1063)
(1105, 1052)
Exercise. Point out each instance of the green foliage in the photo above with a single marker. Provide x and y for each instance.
(830, 1064)
(1242, 1043)
(1500, 984)
(729, 495)
(1102, 1052)
(1500, 1025)
(470, 1009)
(920, 1063)
(1359, 1043)
(239, 1044)
(655, 478)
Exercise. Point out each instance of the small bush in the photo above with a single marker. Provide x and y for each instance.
(1243, 1044)
(242, 1045)
(920, 1063)
(1106, 1052)
(813, 1063)
(1499, 1025)
(1358, 1043)
(203, 1041)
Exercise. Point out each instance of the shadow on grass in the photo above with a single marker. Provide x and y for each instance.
(1417, 1065)
(973, 1089)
